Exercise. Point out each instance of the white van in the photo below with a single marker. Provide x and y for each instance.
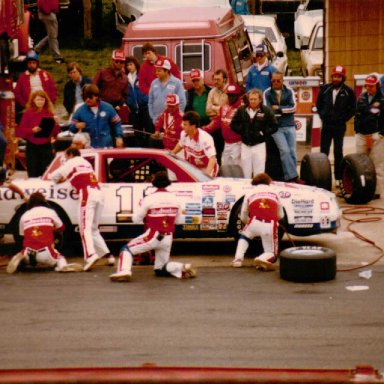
(130, 10)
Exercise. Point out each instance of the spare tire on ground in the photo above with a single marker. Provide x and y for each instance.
(315, 170)
(307, 264)
(358, 178)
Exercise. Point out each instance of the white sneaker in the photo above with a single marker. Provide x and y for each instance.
(14, 263)
(72, 267)
(121, 276)
(188, 272)
(237, 263)
(90, 261)
(265, 262)
(111, 260)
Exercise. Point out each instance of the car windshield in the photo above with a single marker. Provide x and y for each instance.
(264, 30)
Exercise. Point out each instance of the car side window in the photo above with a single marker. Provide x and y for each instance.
(131, 170)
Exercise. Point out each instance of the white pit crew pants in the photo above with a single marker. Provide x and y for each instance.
(231, 154)
(253, 159)
(268, 233)
(44, 256)
(149, 241)
(91, 206)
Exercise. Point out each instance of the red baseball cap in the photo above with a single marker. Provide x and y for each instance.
(117, 54)
(339, 70)
(163, 63)
(172, 100)
(372, 79)
(233, 89)
(196, 74)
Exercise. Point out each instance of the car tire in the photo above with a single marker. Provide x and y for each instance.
(315, 170)
(235, 224)
(358, 178)
(307, 264)
(231, 171)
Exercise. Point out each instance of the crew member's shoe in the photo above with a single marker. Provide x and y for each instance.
(14, 263)
(121, 276)
(110, 259)
(71, 267)
(265, 262)
(237, 263)
(91, 260)
(188, 272)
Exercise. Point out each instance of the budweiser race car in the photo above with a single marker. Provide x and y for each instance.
(210, 207)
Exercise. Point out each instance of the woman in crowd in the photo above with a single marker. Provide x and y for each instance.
(39, 128)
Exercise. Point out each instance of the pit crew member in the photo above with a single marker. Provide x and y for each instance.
(79, 173)
(159, 211)
(261, 211)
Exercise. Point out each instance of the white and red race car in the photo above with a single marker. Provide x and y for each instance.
(210, 207)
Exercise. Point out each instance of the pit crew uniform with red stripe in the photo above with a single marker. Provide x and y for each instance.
(199, 149)
(160, 212)
(170, 123)
(232, 141)
(261, 211)
(80, 174)
(38, 225)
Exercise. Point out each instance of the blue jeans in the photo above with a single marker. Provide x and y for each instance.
(285, 139)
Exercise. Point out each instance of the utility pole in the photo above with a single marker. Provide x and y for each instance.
(87, 19)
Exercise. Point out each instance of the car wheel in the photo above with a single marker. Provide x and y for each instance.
(235, 224)
(315, 170)
(231, 171)
(358, 178)
(307, 264)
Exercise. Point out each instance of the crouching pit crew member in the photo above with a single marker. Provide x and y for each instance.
(160, 212)
(261, 211)
(80, 174)
(38, 225)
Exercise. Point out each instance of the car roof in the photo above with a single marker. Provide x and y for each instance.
(184, 22)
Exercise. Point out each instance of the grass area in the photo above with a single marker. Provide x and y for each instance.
(294, 62)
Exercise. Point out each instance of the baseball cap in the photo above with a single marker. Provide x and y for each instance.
(196, 74)
(117, 54)
(32, 55)
(163, 63)
(233, 89)
(261, 48)
(372, 79)
(172, 100)
(339, 70)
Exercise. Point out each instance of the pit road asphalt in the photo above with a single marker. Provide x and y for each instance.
(225, 317)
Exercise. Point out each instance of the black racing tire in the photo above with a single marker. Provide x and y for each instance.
(315, 170)
(358, 178)
(307, 264)
(231, 171)
(235, 224)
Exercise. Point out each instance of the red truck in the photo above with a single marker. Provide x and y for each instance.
(14, 44)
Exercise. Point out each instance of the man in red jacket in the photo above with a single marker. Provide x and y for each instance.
(33, 79)
(46, 10)
(147, 70)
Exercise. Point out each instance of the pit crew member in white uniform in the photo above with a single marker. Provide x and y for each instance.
(160, 211)
(80, 174)
(198, 145)
(38, 225)
(261, 211)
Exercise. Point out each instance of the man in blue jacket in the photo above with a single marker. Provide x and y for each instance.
(282, 101)
(98, 118)
(260, 73)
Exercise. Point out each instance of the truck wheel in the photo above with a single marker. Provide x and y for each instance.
(358, 178)
(307, 264)
(231, 171)
(315, 170)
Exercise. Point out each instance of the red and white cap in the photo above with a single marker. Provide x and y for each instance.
(372, 79)
(196, 74)
(339, 70)
(163, 63)
(172, 100)
(117, 54)
(233, 89)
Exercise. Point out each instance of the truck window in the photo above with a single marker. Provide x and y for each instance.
(136, 51)
(189, 56)
(319, 41)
